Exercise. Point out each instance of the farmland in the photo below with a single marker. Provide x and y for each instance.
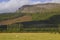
(29, 36)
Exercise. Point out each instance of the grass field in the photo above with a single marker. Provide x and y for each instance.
(29, 36)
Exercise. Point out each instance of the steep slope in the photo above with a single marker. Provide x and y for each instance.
(48, 7)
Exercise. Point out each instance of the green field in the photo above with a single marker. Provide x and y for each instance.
(29, 36)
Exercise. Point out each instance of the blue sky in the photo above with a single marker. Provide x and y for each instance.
(30, 0)
(4, 0)
(40, 0)
(13, 5)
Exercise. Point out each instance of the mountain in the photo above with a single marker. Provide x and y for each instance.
(32, 18)
(48, 7)
(23, 15)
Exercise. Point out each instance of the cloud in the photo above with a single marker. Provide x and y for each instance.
(46, 1)
(56, 1)
(13, 5)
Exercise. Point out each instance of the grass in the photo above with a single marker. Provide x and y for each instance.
(29, 36)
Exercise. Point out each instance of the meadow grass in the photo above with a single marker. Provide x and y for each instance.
(29, 36)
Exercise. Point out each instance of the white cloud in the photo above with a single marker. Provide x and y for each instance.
(13, 5)
(56, 1)
(53, 1)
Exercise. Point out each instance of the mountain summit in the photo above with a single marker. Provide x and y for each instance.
(38, 8)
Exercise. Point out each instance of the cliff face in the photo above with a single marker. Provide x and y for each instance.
(48, 7)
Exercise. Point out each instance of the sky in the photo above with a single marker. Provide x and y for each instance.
(13, 5)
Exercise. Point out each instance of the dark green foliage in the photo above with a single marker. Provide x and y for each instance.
(3, 28)
(41, 22)
(14, 28)
(43, 16)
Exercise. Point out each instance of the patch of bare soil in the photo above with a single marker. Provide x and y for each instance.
(20, 19)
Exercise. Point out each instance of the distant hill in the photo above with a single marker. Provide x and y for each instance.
(48, 7)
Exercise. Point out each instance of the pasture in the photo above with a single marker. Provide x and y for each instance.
(29, 36)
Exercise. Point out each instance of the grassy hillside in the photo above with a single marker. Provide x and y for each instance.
(21, 17)
(43, 16)
(8, 16)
